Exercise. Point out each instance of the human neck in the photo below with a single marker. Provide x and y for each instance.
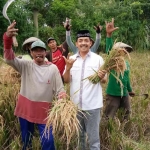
(40, 63)
(54, 49)
(83, 54)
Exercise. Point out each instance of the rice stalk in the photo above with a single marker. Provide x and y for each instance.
(9, 75)
(63, 119)
(114, 61)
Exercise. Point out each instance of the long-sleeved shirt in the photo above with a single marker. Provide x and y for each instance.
(113, 87)
(85, 94)
(75, 49)
(39, 84)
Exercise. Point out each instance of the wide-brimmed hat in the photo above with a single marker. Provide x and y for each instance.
(27, 41)
(123, 45)
(38, 43)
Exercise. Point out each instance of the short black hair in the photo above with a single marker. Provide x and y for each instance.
(49, 39)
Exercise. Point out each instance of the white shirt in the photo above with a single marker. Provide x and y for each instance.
(83, 93)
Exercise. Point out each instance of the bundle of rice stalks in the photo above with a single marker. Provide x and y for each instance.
(114, 61)
(63, 119)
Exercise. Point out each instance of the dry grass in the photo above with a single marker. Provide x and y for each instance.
(8, 75)
(131, 135)
(135, 133)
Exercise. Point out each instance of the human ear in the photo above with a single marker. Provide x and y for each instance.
(76, 44)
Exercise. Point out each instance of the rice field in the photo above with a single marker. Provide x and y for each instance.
(131, 135)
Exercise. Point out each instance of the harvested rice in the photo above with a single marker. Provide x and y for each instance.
(63, 119)
(114, 61)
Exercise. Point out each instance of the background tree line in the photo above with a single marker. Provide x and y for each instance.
(43, 18)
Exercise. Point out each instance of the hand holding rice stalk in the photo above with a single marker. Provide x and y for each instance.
(114, 61)
(63, 119)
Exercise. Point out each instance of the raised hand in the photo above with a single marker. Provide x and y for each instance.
(69, 62)
(98, 28)
(67, 24)
(110, 27)
(11, 31)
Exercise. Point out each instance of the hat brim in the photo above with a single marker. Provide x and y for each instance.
(27, 41)
(123, 45)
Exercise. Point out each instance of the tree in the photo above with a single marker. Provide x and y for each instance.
(37, 6)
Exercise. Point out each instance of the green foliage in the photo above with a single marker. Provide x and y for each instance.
(132, 17)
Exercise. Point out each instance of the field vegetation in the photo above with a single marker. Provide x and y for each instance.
(133, 134)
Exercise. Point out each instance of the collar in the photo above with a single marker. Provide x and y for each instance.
(88, 54)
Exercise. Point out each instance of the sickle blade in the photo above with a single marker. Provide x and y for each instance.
(5, 9)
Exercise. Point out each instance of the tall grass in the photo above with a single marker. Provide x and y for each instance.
(130, 135)
(135, 133)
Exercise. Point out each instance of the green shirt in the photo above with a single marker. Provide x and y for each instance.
(114, 87)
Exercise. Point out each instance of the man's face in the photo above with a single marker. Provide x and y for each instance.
(83, 44)
(52, 44)
(38, 55)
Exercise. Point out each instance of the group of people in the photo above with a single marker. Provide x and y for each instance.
(44, 72)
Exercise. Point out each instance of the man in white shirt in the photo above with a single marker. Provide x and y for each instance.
(86, 95)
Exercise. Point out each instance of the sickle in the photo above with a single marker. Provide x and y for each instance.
(5, 15)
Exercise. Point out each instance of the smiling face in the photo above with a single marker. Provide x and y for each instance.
(38, 55)
(83, 44)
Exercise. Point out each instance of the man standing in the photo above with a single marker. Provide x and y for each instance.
(94, 45)
(40, 82)
(57, 53)
(86, 95)
(114, 98)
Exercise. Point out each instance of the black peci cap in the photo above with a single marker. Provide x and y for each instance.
(83, 33)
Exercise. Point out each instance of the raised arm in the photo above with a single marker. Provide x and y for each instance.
(67, 26)
(7, 40)
(98, 29)
(9, 55)
(70, 43)
(65, 48)
(109, 30)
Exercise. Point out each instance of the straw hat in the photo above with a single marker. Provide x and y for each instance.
(27, 41)
(123, 45)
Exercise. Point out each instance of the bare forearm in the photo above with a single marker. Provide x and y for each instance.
(66, 76)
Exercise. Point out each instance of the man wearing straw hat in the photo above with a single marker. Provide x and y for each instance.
(40, 82)
(83, 92)
(114, 98)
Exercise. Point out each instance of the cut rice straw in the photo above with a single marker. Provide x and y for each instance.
(114, 61)
(63, 120)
